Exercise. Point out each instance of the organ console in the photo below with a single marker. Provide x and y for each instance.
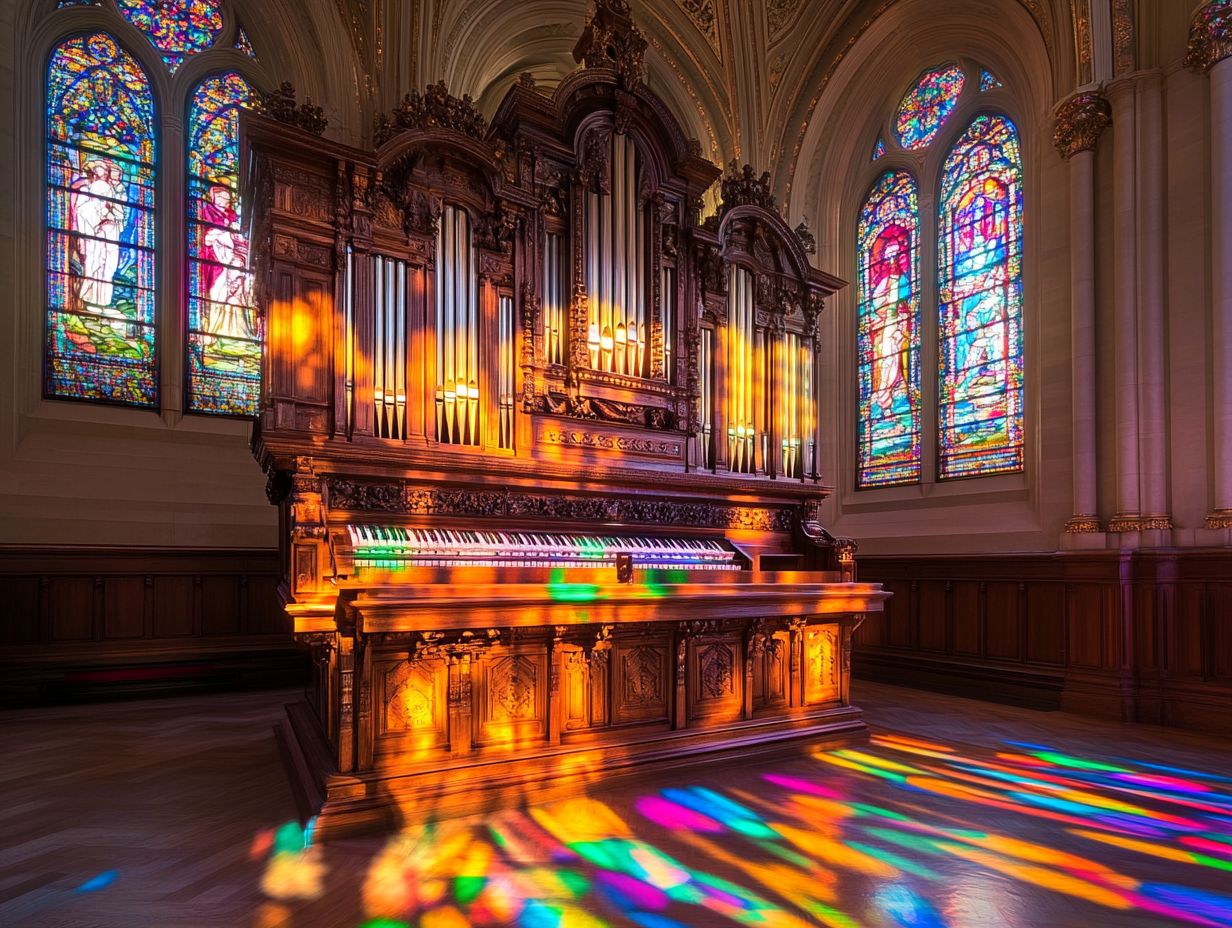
(544, 444)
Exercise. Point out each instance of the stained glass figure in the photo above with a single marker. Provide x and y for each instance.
(879, 149)
(244, 44)
(100, 225)
(888, 340)
(980, 418)
(988, 81)
(926, 106)
(177, 28)
(224, 326)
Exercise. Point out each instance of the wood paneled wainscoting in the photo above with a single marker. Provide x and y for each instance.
(98, 622)
(1141, 636)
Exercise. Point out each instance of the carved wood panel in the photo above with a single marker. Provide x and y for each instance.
(770, 675)
(640, 680)
(716, 677)
(513, 697)
(412, 702)
(821, 664)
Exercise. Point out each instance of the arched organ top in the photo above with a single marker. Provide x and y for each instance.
(534, 300)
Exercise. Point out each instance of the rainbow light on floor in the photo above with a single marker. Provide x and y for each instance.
(901, 833)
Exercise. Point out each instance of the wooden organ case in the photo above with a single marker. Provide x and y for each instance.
(544, 448)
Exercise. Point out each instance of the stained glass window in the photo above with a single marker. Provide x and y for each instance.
(988, 80)
(177, 28)
(244, 44)
(879, 149)
(927, 105)
(888, 341)
(224, 327)
(100, 225)
(980, 420)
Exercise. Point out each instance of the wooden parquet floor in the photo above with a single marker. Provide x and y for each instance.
(964, 814)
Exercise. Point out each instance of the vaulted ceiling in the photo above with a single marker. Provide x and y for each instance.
(744, 76)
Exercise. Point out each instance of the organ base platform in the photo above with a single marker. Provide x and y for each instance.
(525, 690)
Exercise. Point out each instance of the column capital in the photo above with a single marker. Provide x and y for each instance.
(1080, 120)
(1210, 35)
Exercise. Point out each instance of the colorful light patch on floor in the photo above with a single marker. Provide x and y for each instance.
(899, 833)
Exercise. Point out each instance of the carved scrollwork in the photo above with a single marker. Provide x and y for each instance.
(742, 187)
(435, 108)
(280, 105)
(594, 168)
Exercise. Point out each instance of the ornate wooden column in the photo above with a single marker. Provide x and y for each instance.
(1210, 50)
(1080, 121)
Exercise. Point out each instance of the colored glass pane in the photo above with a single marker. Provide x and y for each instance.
(927, 105)
(224, 327)
(63, 3)
(980, 415)
(244, 44)
(888, 340)
(177, 28)
(100, 225)
(879, 149)
(988, 81)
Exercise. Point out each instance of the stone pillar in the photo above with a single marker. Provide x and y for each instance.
(1080, 120)
(1210, 50)
(1152, 409)
(1128, 517)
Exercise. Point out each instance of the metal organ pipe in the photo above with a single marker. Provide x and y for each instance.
(388, 347)
(617, 331)
(457, 331)
(743, 367)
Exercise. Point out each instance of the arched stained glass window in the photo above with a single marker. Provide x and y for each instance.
(980, 302)
(177, 28)
(888, 342)
(100, 225)
(926, 106)
(224, 327)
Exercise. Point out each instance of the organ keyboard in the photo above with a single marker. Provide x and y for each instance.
(543, 440)
(383, 545)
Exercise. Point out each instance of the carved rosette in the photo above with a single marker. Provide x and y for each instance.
(1080, 120)
(1210, 35)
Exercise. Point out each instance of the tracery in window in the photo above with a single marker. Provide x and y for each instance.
(888, 340)
(100, 225)
(926, 106)
(224, 326)
(980, 302)
(177, 28)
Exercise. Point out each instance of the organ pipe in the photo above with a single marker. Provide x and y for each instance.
(505, 374)
(617, 329)
(553, 301)
(744, 375)
(457, 331)
(389, 347)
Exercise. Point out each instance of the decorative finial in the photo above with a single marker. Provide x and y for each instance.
(611, 40)
(435, 108)
(740, 187)
(280, 105)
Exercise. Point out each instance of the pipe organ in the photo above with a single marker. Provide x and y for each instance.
(543, 443)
